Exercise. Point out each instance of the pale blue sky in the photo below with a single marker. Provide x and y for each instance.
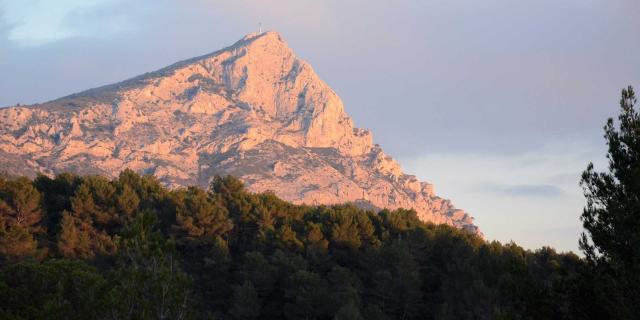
(499, 103)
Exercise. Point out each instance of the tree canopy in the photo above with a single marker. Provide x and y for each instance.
(129, 248)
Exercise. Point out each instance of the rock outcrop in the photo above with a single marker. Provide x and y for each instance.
(253, 110)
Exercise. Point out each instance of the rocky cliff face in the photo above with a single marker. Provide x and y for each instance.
(252, 110)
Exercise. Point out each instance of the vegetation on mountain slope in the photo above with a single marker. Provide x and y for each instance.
(86, 247)
(89, 247)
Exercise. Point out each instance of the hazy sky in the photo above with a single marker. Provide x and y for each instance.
(500, 104)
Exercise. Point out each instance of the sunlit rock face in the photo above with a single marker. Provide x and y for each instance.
(253, 110)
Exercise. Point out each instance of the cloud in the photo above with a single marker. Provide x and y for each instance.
(521, 196)
(5, 25)
(5, 28)
(37, 22)
(524, 190)
(103, 18)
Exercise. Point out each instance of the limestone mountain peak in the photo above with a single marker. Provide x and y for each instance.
(253, 110)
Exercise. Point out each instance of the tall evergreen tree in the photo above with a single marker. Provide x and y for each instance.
(611, 218)
(20, 215)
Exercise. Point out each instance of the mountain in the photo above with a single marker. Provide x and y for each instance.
(252, 110)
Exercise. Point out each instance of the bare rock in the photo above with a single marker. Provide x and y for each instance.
(253, 110)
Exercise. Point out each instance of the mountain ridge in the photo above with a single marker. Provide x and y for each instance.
(252, 109)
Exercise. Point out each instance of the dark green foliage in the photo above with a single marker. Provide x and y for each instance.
(54, 289)
(130, 249)
(348, 311)
(611, 219)
(148, 281)
(57, 198)
(245, 303)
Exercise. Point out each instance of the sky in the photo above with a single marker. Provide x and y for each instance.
(499, 104)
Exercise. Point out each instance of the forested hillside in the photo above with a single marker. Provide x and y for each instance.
(75, 247)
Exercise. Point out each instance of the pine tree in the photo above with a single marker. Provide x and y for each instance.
(56, 198)
(79, 239)
(20, 215)
(149, 281)
(73, 239)
(201, 219)
(20, 205)
(16, 242)
(245, 303)
(52, 289)
(128, 202)
(349, 311)
(307, 296)
(611, 218)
